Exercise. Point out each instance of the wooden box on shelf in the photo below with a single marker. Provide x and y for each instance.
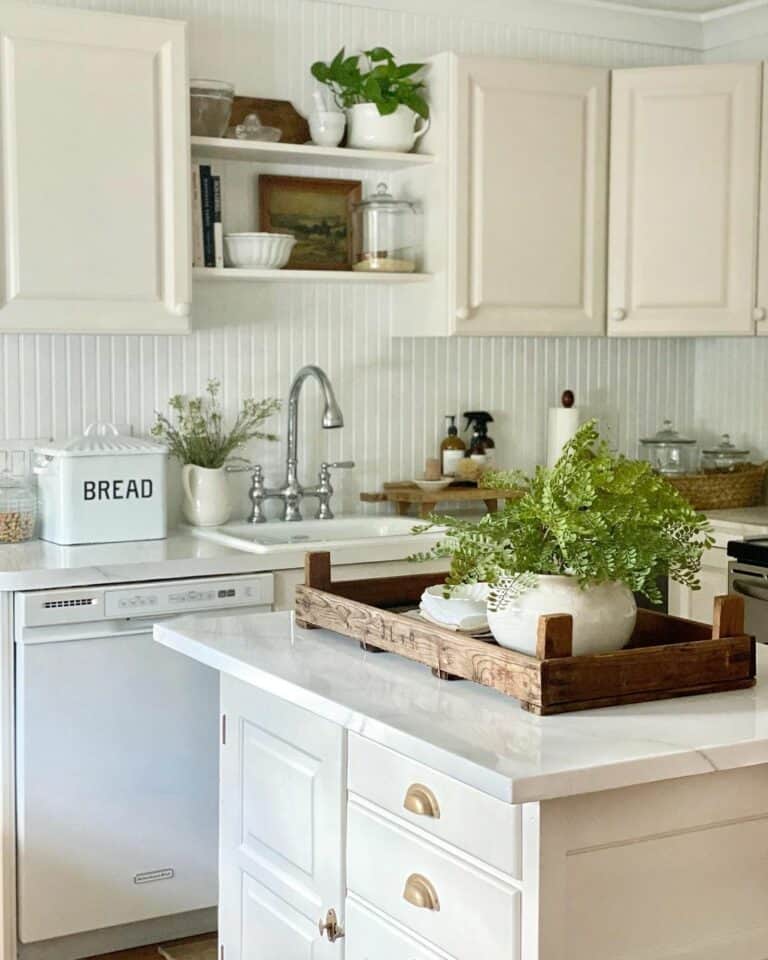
(666, 656)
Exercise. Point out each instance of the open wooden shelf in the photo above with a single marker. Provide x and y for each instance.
(306, 276)
(296, 154)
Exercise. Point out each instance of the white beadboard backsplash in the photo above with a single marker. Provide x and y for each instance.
(253, 337)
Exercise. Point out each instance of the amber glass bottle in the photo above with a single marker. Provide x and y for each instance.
(452, 449)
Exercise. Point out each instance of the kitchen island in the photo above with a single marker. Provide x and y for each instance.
(432, 819)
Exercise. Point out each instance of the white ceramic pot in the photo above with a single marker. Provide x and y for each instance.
(603, 615)
(206, 501)
(327, 127)
(398, 131)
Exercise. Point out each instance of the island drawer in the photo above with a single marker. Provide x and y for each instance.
(480, 825)
(430, 891)
(371, 937)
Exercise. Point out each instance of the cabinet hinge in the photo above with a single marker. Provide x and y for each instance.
(223, 736)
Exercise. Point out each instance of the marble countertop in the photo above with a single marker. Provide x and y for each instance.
(38, 565)
(473, 733)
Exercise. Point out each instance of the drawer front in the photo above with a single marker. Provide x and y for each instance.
(464, 911)
(480, 825)
(369, 937)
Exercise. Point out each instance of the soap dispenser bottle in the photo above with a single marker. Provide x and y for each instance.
(481, 447)
(452, 449)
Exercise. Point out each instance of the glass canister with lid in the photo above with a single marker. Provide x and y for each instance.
(18, 506)
(725, 457)
(668, 452)
(387, 233)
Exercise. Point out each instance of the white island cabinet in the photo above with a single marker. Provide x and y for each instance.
(438, 821)
(94, 172)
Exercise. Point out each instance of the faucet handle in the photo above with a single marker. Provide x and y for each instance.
(338, 465)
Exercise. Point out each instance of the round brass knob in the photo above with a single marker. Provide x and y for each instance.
(421, 801)
(420, 893)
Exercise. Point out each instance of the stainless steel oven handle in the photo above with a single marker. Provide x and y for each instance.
(749, 590)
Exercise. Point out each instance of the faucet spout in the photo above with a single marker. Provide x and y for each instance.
(332, 419)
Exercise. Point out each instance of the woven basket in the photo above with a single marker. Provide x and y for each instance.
(741, 487)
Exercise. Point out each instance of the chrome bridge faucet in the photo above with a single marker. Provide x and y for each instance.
(292, 492)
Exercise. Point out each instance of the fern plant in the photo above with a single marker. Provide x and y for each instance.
(593, 516)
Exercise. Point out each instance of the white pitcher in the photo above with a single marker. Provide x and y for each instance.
(206, 500)
(367, 129)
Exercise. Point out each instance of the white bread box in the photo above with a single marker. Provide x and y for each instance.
(101, 488)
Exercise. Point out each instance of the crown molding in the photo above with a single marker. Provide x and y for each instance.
(592, 18)
(605, 19)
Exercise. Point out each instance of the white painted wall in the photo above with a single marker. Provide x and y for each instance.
(393, 392)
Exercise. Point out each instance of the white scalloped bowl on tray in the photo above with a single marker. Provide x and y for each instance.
(258, 251)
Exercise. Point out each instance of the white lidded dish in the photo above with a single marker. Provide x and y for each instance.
(102, 487)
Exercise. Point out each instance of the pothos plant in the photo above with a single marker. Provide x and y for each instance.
(195, 431)
(593, 516)
(379, 80)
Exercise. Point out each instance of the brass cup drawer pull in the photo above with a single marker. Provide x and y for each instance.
(420, 893)
(421, 801)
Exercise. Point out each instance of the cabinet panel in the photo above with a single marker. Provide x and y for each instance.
(371, 936)
(683, 200)
(532, 155)
(699, 604)
(761, 311)
(95, 219)
(283, 788)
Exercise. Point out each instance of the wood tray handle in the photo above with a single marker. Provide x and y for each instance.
(317, 570)
(728, 619)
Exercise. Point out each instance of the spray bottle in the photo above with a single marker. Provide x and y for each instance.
(482, 448)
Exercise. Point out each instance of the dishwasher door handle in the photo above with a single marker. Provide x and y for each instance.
(750, 590)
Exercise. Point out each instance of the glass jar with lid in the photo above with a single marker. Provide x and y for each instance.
(723, 458)
(387, 233)
(18, 508)
(668, 452)
(210, 106)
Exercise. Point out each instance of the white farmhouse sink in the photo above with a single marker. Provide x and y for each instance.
(279, 536)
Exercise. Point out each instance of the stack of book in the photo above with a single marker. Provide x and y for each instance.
(207, 232)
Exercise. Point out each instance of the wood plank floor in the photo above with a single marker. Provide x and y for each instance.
(145, 953)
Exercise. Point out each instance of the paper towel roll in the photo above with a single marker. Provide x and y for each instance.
(562, 424)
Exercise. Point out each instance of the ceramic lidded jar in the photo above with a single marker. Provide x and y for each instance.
(668, 452)
(387, 233)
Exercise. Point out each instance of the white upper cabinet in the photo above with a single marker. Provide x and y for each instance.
(516, 200)
(683, 199)
(94, 151)
(761, 303)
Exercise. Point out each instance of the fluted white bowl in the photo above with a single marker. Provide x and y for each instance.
(258, 251)
(464, 609)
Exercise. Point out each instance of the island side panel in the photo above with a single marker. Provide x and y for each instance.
(677, 869)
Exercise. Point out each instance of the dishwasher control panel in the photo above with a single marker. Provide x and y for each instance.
(187, 597)
(82, 605)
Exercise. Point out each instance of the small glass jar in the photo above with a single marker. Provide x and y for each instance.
(18, 508)
(724, 458)
(668, 452)
(387, 233)
(210, 106)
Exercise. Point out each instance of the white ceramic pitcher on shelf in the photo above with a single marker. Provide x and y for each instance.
(367, 129)
(206, 501)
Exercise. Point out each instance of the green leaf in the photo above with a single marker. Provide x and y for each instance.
(371, 89)
(337, 61)
(418, 104)
(408, 70)
(379, 53)
(320, 71)
(386, 107)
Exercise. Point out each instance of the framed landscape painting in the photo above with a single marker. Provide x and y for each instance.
(318, 212)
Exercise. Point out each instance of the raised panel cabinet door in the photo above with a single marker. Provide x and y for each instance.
(94, 172)
(532, 180)
(683, 200)
(283, 793)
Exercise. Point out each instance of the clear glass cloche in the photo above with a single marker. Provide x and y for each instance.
(669, 452)
(387, 233)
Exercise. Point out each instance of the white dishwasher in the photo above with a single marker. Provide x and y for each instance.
(117, 754)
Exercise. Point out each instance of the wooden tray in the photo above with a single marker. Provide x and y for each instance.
(405, 494)
(666, 656)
